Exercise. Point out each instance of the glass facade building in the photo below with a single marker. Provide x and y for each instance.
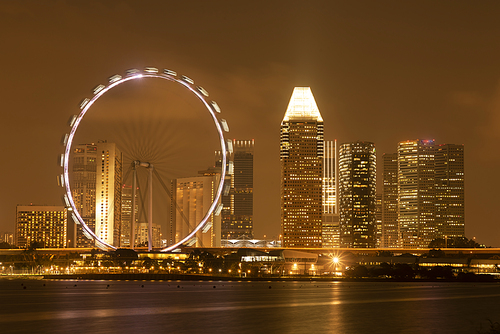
(301, 157)
(357, 195)
(237, 212)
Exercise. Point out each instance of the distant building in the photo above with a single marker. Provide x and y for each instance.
(357, 189)
(141, 235)
(390, 226)
(7, 237)
(301, 157)
(191, 200)
(237, 212)
(126, 216)
(43, 224)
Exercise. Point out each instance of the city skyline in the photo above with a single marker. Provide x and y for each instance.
(382, 75)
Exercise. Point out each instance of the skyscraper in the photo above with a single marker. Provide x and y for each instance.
(416, 193)
(330, 229)
(237, 213)
(46, 225)
(431, 197)
(357, 195)
(390, 226)
(450, 190)
(301, 156)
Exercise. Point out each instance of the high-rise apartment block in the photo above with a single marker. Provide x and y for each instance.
(301, 157)
(357, 191)
(237, 212)
(43, 224)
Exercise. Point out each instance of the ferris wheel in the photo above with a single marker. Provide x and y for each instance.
(221, 127)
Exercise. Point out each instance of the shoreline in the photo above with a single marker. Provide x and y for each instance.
(186, 277)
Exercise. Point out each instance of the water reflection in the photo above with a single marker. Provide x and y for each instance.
(246, 307)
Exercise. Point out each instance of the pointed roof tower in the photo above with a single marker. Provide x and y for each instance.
(302, 106)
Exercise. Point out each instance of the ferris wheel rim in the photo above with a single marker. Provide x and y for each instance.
(99, 91)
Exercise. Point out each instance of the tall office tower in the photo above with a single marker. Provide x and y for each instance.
(108, 193)
(330, 230)
(83, 183)
(42, 224)
(357, 189)
(378, 220)
(416, 193)
(301, 156)
(450, 191)
(191, 199)
(237, 212)
(390, 226)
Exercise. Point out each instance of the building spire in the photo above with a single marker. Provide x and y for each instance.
(302, 106)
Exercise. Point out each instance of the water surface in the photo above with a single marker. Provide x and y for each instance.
(39, 306)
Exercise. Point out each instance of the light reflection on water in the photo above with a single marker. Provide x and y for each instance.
(246, 307)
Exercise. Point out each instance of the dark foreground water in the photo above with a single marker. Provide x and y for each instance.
(29, 306)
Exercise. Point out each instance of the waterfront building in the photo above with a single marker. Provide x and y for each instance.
(237, 212)
(301, 157)
(357, 194)
(43, 224)
(390, 226)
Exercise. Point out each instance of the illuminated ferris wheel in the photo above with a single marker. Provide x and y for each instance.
(134, 74)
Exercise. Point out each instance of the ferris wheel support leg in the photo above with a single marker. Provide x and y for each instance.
(150, 215)
(134, 190)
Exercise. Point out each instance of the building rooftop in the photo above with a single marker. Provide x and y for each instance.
(302, 106)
